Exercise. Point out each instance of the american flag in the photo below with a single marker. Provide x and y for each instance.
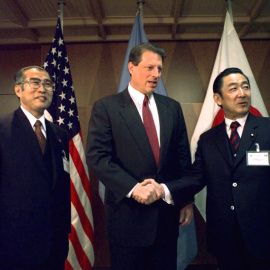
(63, 112)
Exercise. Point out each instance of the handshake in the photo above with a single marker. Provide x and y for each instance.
(148, 192)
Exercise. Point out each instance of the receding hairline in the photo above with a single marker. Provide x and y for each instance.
(20, 74)
(34, 67)
(137, 52)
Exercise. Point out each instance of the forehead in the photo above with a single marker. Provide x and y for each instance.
(234, 78)
(35, 73)
(151, 56)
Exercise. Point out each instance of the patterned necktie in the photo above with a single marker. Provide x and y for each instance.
(234, 138)
(40, 136)
(150, 128)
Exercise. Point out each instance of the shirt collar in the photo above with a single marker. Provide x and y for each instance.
(138, 96)
(32, 119)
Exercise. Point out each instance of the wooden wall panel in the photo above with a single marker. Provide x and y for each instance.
(258, 55)
(96, 69)
(13, 58)
(8, 103)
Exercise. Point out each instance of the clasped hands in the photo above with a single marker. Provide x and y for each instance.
(148, 191)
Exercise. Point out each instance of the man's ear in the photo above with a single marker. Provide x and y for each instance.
(218, 99)
(130, 67)
(18, 90)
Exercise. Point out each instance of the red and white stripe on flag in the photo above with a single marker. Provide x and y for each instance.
(81, 252)
(63, 111)
(230, 54)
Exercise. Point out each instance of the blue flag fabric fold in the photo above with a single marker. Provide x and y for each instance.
(137, 37)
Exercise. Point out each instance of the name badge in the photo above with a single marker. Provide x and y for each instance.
(258, 158)
(65, 162)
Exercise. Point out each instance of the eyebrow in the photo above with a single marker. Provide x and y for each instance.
(35, 78)
(244, 82)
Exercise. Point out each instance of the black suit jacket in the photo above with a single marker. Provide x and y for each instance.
(34, 201)
(234, 190)
(119, 153)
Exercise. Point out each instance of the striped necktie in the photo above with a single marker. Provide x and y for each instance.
(234, 138)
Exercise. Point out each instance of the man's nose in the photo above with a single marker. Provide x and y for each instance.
(156, 72)
(241, 92)
(42, 88)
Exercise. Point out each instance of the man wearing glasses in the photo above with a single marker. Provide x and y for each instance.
(34, 180)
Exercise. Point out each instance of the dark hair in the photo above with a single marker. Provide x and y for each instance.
(135, 55)
(20, 74)
(218, 83)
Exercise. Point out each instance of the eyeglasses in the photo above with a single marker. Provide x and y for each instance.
(35, 83)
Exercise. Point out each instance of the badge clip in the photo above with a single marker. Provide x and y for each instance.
(257, 147)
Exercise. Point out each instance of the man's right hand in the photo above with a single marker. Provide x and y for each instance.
(148, 192)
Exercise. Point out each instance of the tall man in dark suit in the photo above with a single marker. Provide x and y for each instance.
(236, 173)
(142, 234)
(34, 180)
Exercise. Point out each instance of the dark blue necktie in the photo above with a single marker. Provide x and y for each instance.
(234, 138)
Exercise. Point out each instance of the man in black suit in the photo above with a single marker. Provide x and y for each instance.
(142, 233)
(236, 173)
(34, 180)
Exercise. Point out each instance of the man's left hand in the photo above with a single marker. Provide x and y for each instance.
(186, 215)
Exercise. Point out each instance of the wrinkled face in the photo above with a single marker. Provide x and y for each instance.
(34, 101)
(146, 75)
(236, 98)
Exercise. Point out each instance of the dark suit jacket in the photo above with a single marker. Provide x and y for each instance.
(119, 153)
(34, 206)
(250, 195)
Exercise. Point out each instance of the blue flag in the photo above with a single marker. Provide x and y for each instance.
(186, 245)
(187, 240)
(137, 37)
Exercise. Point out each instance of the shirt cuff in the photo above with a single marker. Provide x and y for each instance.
(130, 193)
(168, 197)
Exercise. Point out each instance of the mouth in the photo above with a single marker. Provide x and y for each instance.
(243, 103)
(153, 83)
(41, 98)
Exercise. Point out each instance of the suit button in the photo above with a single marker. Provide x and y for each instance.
(232, 207)
(234, 184)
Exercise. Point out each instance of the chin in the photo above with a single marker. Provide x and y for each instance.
(242, 114)
(151, 90)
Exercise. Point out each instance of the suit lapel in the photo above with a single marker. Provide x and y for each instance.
(25, 134)
(129, 113)
(165, 120)
(56, 151)
(221, 139)
(248, 137)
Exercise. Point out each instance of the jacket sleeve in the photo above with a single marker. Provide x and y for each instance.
(99, 153)
(191, 182)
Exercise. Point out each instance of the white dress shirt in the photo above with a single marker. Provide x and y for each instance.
(32, 119)
(138, 98)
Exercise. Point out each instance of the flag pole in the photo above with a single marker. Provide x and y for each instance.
(141, 3)
(229, 8)
(61, 13)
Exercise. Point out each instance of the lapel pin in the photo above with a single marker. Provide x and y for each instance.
(59, 140)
